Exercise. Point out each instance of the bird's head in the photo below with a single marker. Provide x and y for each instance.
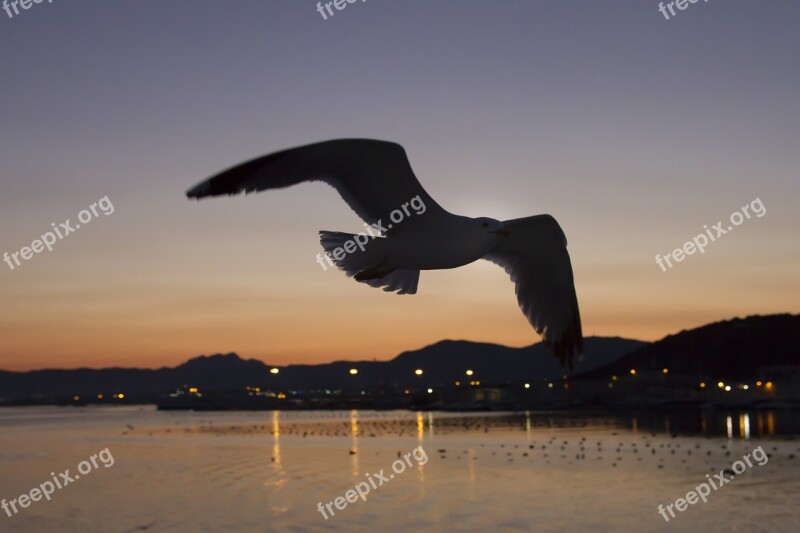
(492, 227)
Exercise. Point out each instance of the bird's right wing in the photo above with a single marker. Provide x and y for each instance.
(535, 256)
(373, 177)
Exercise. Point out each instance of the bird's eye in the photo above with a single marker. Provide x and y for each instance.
(485, 224)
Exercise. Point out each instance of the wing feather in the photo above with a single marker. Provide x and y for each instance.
(535, 256)
(373, 177)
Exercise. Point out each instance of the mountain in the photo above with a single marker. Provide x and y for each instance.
(733, 349)
(442, 364)
(736, 350)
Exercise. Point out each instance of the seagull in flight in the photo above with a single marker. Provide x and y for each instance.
(375, 179)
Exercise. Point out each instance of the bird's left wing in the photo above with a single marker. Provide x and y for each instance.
(373, 177)
(535, 256)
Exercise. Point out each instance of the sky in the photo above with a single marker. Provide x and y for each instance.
(632, 130)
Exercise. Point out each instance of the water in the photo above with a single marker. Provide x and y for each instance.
(270, 471)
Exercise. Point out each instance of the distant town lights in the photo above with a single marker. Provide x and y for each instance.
(633, 371)
(274, 370)
(727, 388)
(527, 385)
(353, 371)
(665, 371)
(469, 372)
(430, 391)
(418, 371)
(721, 385)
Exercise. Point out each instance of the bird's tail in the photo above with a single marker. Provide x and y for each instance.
(360, 259)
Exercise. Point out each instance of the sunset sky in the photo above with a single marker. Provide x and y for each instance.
(633, 131)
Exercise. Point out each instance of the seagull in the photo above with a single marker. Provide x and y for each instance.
(376, 180)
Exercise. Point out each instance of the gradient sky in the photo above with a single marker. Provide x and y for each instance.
(633, 131)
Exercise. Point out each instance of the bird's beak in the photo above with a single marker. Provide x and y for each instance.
(501, 232)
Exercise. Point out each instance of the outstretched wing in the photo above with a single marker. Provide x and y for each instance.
(535, 256)
(373, 177)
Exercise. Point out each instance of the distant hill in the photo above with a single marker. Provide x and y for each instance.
(442, 363)
(495, 363)
(731, 349)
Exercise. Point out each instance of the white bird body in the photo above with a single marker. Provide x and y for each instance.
(375, 179)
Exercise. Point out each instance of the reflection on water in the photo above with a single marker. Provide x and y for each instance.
(736, 424)
(428, 425)
(276, 432)
(354, 431)
(278, 479)
(528, 425)
(237, 471)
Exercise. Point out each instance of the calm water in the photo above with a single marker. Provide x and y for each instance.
(270, 471)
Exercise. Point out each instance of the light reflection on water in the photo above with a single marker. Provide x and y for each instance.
(737, 424)
(184, 470)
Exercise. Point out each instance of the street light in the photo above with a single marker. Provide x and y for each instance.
(354, 371)
(418, 371)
